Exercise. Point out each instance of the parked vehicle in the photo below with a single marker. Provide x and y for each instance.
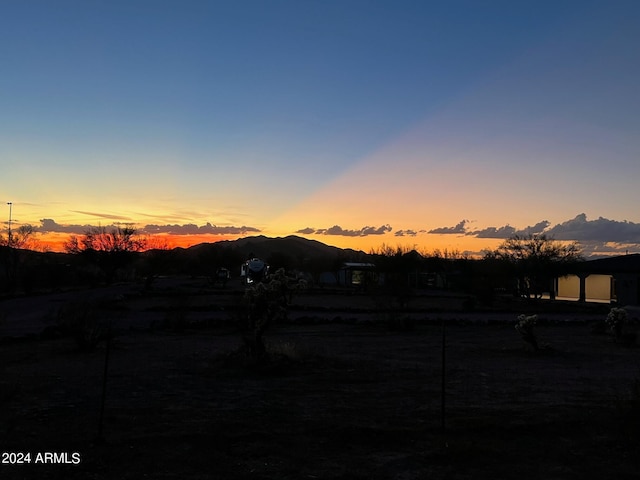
(253, 270)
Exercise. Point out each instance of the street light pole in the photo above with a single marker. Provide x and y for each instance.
(9, 237)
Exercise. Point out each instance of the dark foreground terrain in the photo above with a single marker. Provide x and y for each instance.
(358, 396)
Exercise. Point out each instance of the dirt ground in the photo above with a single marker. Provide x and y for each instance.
(357, 396)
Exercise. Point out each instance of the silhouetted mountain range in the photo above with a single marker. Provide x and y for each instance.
(292, 246)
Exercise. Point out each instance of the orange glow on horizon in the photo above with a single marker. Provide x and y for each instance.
(425, 244)
(55, 242)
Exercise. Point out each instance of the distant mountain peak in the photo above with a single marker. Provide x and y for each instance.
(292, 245)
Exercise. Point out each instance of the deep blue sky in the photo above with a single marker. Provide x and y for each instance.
(291, 115)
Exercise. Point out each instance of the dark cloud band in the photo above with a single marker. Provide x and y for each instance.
(339, 231)
(48, 225)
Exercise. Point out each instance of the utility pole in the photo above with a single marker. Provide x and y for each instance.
(9, 236)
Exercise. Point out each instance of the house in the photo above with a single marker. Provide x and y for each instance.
(359, 275)
(613, 279)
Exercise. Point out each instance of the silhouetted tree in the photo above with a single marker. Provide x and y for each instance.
(110, 250)
(99, 239)
(10, 257)
(156, 260)
(22, 237)
(396, 265)
(452, 266)
(536, 260)
(491, 276)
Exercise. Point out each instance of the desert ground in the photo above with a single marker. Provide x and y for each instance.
(352, 389)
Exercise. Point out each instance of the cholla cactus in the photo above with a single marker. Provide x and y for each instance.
(616, 318)
(525, 328)
(266, 303)
(526, 323)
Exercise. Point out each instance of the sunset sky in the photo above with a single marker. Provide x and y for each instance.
(434, 124)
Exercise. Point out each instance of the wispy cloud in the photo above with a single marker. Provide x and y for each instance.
(339, 231)
(103, 215)
(165, 217)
